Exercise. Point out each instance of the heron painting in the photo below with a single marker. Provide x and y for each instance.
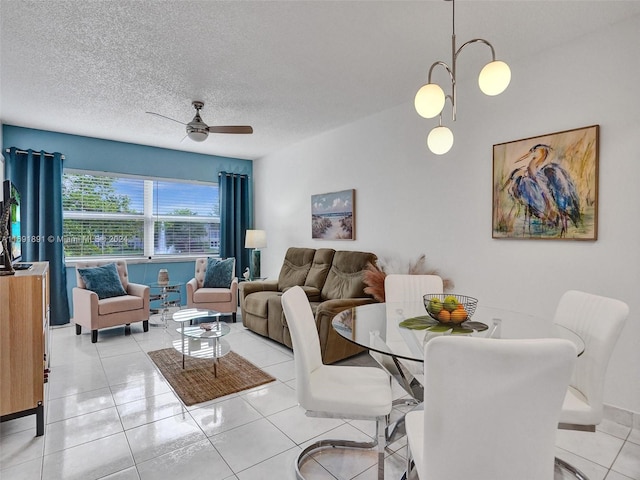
(546, 187)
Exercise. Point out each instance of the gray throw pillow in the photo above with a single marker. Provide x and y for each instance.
(103, 280)
(219, 273)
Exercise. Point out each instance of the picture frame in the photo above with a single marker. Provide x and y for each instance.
(546, 187)
(333, 215)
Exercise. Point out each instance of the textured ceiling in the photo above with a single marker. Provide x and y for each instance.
(291, 69)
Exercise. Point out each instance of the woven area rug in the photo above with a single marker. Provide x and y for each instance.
(197, 383)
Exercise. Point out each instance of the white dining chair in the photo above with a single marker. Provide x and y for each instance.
(598, 321)
(491, 408)
(332, 391)
(404, 299)
(411, 290)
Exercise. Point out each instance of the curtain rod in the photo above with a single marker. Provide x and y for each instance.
(35, 153)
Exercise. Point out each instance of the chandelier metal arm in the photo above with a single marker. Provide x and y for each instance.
(452, 76)
(429, 101)
(446, 67)
(476, 40)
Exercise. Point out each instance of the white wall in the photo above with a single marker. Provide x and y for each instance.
(409, 201)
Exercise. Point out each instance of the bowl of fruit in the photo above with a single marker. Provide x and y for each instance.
(449, 308)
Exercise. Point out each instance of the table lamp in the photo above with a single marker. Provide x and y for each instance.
(255, 239)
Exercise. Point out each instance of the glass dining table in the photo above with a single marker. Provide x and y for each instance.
(377, 327)
(400, 350)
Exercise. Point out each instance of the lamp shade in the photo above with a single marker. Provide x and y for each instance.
(440, 140)
(255, 239)
(429, 100)
(494, 78)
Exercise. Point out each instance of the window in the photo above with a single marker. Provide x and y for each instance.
(107, 215)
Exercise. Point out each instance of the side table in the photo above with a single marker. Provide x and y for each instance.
(169, 295)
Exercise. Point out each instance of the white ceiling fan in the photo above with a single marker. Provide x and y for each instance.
(198, 131)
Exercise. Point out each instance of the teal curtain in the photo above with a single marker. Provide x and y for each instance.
(234, 218)
(38, 178)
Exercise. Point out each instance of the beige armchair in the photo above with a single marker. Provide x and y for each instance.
(223, 300)
(91, 312)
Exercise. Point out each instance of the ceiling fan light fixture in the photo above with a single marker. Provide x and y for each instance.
(198, 131)
(197, 134)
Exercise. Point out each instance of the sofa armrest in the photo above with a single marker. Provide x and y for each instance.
(85, 306)
(137, 289)
(142, 291)
(337, 305)
(313, 293)
(247, 288)
(332, 345)
(258, 286)
(192, 286)
(234, 291)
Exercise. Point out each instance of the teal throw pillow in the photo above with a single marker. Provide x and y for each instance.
(219, 273)
(103, 280)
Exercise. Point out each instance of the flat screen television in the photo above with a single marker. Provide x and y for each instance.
(13, 222)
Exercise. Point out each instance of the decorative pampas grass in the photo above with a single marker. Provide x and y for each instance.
(374, 275)
(420, 268)
(373, 278)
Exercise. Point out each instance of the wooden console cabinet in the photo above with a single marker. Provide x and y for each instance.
(24, 343)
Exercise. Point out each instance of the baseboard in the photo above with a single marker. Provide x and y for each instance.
(622, 416)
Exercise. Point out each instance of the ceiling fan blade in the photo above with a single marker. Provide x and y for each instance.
(230, 129)
(168, 118)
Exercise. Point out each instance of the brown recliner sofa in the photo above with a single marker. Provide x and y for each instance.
(333, 282)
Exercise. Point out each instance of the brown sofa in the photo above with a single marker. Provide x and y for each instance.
(333, 282)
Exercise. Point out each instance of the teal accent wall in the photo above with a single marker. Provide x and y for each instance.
(101, 155)
(96, 154)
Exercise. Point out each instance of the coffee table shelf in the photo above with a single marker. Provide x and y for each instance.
(197, 342)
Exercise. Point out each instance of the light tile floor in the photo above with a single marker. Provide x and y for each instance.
(111, 415)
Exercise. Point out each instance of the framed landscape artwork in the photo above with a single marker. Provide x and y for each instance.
(546, 187)
(333, 215)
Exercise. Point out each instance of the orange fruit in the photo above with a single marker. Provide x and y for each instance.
(460, 307)
(444, 316)
(459, 315)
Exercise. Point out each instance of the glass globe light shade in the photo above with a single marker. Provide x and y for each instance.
(440, 140)
(197, 134)
(429, 100)
(494, 78)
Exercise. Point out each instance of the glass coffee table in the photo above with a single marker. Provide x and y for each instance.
(198, 341)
